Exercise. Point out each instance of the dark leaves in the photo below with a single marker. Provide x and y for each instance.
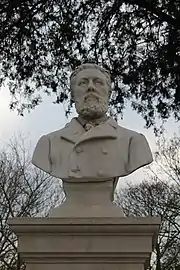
(42, 41)
(62, 97)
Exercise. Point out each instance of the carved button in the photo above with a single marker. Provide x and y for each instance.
(100, 173)
(75, 169)
(79, 149)
(104, 151)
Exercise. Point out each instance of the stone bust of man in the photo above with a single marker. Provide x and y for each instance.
(92, 147)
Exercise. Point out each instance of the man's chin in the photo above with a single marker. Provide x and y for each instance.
(92, 113)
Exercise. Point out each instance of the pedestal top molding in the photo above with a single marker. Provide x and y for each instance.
(85, 221)
(129, 225)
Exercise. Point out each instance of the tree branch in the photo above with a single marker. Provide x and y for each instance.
(157, 11)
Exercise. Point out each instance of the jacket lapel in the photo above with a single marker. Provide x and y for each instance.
(76, 134)
(73, 131)
(101, 131)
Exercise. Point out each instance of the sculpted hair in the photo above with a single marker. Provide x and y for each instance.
(89, 66)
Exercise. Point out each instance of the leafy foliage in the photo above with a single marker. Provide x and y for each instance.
(42, 41)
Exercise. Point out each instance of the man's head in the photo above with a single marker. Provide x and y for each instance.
(90, 90)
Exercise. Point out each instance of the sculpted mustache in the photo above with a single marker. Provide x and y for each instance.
(92, 95)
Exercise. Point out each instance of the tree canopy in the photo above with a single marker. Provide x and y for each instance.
(42, 41)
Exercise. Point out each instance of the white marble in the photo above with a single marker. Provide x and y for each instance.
(92, 147)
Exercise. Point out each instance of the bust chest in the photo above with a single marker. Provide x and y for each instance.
(94, 158)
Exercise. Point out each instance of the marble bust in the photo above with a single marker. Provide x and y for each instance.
(91, 147)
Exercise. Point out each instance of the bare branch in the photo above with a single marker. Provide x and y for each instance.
(24, 191)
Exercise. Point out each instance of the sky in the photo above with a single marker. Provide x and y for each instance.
(48, 117)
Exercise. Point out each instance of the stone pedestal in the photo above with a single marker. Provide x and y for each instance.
(94, 243)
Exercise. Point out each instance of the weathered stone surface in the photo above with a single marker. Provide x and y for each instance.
(88, 231)
(92, 147)
(107, 243)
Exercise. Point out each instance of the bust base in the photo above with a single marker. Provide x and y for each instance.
(88, 199)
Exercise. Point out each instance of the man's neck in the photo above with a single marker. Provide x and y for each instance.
(94, 122)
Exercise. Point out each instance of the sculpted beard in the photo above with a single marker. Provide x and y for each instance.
(94, 106)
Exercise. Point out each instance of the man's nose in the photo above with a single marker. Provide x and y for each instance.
(91, 86)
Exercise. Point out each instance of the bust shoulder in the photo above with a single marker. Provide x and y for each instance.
(57, 132)
(127, 132)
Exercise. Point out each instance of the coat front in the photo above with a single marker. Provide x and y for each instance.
(105, 151)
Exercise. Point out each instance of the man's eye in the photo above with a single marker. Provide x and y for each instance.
(82, 82)
(99, 82)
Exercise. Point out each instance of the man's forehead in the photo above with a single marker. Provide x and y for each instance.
(90, 73)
